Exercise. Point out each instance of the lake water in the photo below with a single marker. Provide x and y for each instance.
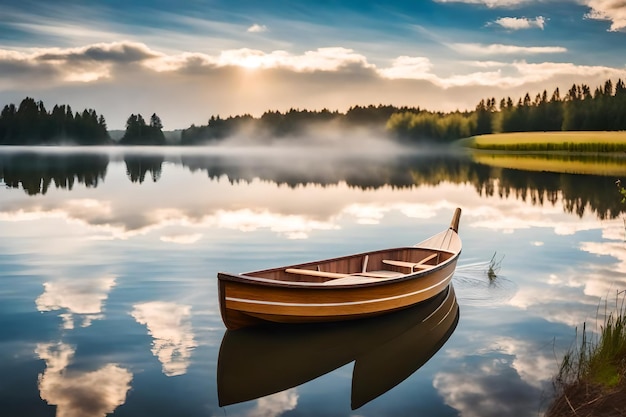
(108, 293)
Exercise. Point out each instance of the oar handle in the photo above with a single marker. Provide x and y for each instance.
(454, 224)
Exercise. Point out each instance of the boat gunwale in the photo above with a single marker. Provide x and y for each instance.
(267, 282)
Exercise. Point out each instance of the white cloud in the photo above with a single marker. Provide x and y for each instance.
(292, 226)
(321, 59)
(182, 239)
(256, 28)
(78, 393)
(611, 10)
(169, 324)
(489, 388)
(408, 67)
(276, 404)
(83, 298)
(489, 3)
(518, 23)
(501, 49)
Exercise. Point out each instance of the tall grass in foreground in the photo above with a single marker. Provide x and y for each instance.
(592, 374)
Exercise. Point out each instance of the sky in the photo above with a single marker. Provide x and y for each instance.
(189, 60)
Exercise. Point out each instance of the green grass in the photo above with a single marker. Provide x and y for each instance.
(600, 359)
(593, 373)
(549, 141)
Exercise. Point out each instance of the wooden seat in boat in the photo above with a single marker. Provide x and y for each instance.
(412, 265)
(372, 274)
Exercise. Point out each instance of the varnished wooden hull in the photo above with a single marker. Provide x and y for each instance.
(341, 288)
(260, 361)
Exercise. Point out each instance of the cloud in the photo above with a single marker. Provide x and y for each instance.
(611, 10)
(518, 23)
(408, 67)
(256, 28)
(276, 404)
(490, 3)
(486, 387)
(185, 239)
(78, 393)
(500, 49)
(169, 324)
(83, 298)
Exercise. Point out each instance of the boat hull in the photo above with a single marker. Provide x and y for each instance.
(248, 303)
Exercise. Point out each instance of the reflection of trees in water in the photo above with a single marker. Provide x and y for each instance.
(35, 172)
(363, 173)
(137, 166)
(580, 193)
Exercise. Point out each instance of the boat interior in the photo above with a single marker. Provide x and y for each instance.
(360, 268)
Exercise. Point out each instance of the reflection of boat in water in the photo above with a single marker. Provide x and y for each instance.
(349, 287)
(259, 361)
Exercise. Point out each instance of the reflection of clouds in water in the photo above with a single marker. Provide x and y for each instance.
(486, 387)
(276, 404)
(247, 220)
(293, 213)
(82, 298)
(170, 327)
(78, 393)
(271, 406)
(536, 367)
(605, 282)
(556, 303)
(511, 215)
(373, 213)
(559, 296)
(182, 239)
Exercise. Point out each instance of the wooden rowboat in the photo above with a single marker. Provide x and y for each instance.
(345, 288)
(259, 361)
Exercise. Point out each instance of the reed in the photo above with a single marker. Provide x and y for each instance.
(493, 269)
(592, 374)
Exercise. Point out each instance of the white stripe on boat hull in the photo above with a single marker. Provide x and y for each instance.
(348, 303)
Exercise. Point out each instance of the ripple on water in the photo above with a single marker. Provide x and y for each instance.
(474, 288)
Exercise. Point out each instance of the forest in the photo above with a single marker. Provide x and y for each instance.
(32, 124)
(579, 109)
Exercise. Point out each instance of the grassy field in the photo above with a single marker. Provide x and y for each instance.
(549, 141)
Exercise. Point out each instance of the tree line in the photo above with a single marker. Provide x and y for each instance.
(578, 110)
(31, 123)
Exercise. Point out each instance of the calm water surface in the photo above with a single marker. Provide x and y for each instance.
(108, 262)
